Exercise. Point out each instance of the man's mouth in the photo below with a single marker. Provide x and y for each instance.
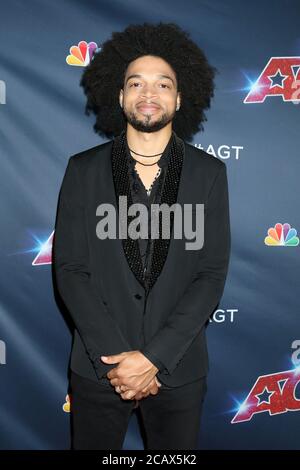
(147, 108)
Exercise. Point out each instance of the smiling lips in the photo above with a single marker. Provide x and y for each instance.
(148, 107)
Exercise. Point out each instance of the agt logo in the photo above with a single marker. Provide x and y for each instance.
(44, 255)
(223, 151)
(82, 54)
(282, 235)
(220, 316)
(280, 77)
(273, 393)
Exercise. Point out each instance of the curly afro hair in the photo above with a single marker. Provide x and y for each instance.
(103, 78)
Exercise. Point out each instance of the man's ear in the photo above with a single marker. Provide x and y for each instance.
(121, 98)
(179, 99)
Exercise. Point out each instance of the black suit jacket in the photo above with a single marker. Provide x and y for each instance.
(101, 286)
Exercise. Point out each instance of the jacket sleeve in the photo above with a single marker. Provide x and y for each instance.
(155, 361)
(202, 296)
(71, 262)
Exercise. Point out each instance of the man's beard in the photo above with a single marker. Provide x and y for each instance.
(148, 123)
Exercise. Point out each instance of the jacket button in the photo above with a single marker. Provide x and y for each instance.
(138, 296)
(105, 303)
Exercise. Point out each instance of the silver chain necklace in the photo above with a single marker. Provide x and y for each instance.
(155, 178)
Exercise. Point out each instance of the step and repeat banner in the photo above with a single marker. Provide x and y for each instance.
(253, 398)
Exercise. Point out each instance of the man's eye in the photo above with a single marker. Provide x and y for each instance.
(136, 83)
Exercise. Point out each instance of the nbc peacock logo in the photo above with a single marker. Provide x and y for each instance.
(67, 405)
(82, 54)
(282, 235)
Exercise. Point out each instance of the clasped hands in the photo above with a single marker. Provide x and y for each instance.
(134, 377)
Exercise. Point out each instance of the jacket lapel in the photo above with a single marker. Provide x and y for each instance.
(168, 196)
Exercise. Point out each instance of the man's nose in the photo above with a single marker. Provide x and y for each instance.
(149, 92)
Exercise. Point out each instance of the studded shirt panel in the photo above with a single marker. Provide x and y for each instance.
(167, 190)
(140, 195)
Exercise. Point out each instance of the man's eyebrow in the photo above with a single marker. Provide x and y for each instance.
(136, 75)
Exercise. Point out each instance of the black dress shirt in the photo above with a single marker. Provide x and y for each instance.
(139, 195)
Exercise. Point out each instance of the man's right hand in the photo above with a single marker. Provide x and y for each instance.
(152, 387)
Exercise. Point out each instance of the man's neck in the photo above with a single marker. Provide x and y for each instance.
(148, 143)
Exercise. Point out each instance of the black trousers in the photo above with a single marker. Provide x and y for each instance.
(100, 416)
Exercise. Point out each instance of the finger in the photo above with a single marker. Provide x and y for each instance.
(154, 389)
(121, 388)
(115, 358)
(128, 395)
(158, 383)
(115, 382)
(112, 374)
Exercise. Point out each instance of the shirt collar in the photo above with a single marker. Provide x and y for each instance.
(164, 159)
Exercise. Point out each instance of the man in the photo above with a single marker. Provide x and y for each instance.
(140, 305)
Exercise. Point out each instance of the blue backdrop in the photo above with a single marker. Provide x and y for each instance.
(253, 399)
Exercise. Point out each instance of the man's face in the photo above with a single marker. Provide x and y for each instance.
(149, 96)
